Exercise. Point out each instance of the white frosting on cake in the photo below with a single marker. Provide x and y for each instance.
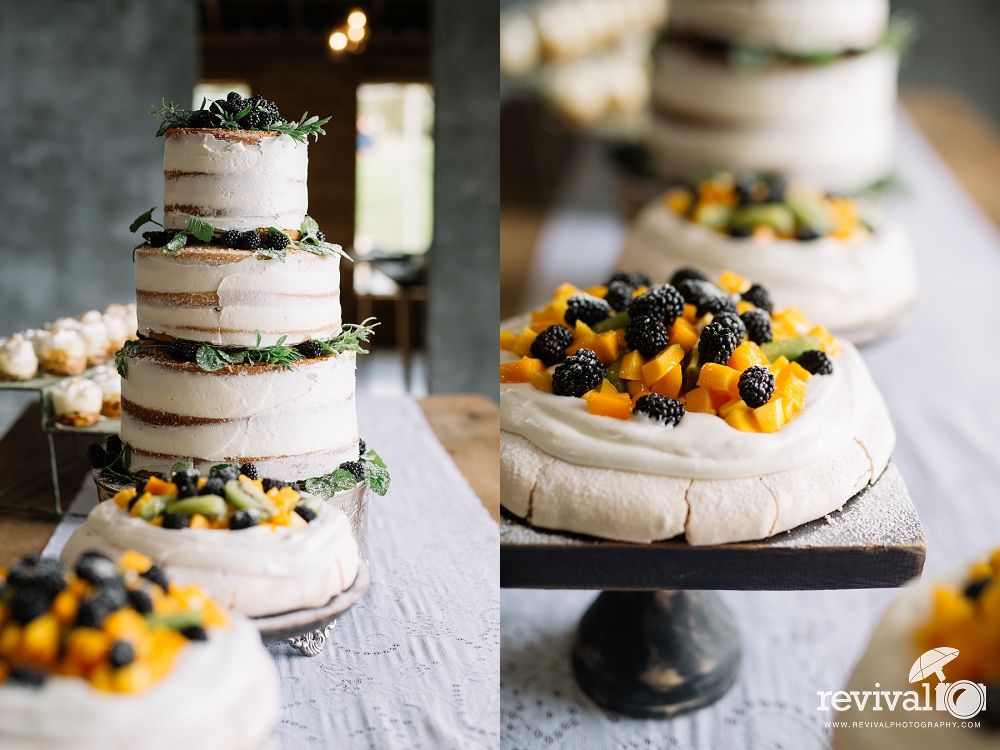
(787, 25)
(849, 286)
(702, 446)
(697, 85)
(292, 424)
(223, 296)
(222, 694)
(77, 395)
(256, 571)
(838, 154)
(17, 359)
(237, 179)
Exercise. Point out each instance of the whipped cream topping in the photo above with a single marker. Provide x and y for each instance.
(95, 336)
(242, 182)
(77, 395)
(223, 296)
(61, 340)
(117, 329)
(841, 284)
(222, 694)
(17, 358)
(109, 381)
(702, 446)
(65, 324)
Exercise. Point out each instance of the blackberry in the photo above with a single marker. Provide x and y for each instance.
(28, 677)
(156, 575)
(268, 484)
(306, 513)
(756, 386)
(742, 231)
(113, 594)
(976, 587)
(176, 521)
(776, 189)
(634, 279)
(133, 501)
(94, 567)
(183, 351)
(121, 655)
(320, 236)
(619, 295)
(92, 613)
(362, 448)
(578, 374)
(140, 601)
(586, 308)
(717, 306)
(30, 602)
(355, 468)
(550, 345)
(158, 239)
(195, 633)
(231, 238)
(733, 322)
(227, 473)
(696, 292)
(187, 483)
(96, 456)
(758, 297)
(310, 349)
(203, 118)
(687, 274)
(816, 362)
(44, 573)
(716, 344)
(662, 302)
(114, 446)
(213, 486)
(276, 240)
(660, 408)
(807, 234)
(248, 470)
(244, 519)
(758, 325)
(646, 335)
(267, 112)
(250, 240)
(234, 103)
(748, 189)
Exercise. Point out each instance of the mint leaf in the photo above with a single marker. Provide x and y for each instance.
(271, 253)
(308, 226)
(374, 457)
(129, 349)
(210, 359)
(178, 241)
(146, 218)
(327, 486)
(377, 478)
(200, 228)
(233, 356)
(220, 467)
(179, 466)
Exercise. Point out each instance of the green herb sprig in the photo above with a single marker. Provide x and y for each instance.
(171, 116)
(376, 475)
(301, 130)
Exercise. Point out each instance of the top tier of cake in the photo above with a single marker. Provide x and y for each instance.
(237, 179)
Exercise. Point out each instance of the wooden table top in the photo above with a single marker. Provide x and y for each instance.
(468, 426)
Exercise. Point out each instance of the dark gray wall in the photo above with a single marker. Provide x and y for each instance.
(464, 295)
(78, 156)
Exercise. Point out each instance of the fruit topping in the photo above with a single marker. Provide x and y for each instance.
(733, 322)
(660, 408)
(758, 325)
(310, 349)
(816, 362)
(97, 457)
(716, 344)
(354, 468)
(249, 471)
(687, 274)
(183, 351)
(619, 295)
(634, 279)
(586, 308)
(663, 303)
(578, 374)
(550, 345)
(757, 296)
(756, 386)
(244, 519)
(307, 513)
(646, 335)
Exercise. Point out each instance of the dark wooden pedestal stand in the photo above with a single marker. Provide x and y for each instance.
(658, 642)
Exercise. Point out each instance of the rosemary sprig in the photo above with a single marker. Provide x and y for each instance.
(171, 116)
(351, 337)
(301, 130)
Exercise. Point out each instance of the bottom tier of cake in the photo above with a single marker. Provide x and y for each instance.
(292, 424)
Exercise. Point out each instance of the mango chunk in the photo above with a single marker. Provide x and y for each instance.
(657, 367)
(636, 388)
(631, 368)
(733, 403)
(771, 416)
(597, 291)
(520, 371)
(719, 378)
(582, 332)
(733, 283)
(670, 383)
(522, 345)
(156, 486)
(605, 346)
(617, 405)
(699, 401)
(690, 313)
(564, 291)
(683, 334)
(827, 341)
(747, 355)
(742, 307)
(742, 420)
(678, 200)
(607, 387)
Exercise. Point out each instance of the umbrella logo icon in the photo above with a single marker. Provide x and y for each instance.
(963, 699)
(932, 662)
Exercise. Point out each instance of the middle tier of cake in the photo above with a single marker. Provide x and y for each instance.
(291, 423)
(224, 296)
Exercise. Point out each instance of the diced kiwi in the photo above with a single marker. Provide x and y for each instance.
(778, 216)
(210, 506)
(791, 349)
(243, 494)
(179, 621)
(618, 320)
(612, 375)
(809, 213)
(692, 370)
(154, 505)
(315, 504)
(713, 216)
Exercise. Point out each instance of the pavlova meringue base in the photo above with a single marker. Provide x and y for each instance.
(860, 289)
(222, 694)
(256, 571)
(887, 661)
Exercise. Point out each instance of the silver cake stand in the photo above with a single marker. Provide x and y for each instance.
(305, 629)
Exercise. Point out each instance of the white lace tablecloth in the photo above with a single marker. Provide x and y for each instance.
(415, 664)
(941, 380)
